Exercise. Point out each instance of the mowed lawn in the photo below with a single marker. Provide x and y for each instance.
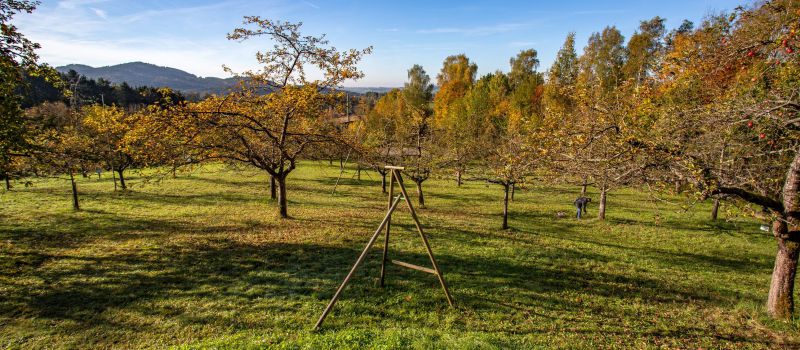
(203, 261)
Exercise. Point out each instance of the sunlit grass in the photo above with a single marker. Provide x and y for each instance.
(203, 261)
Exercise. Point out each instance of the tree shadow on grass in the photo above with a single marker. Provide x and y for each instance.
(246, 181)
(83, 293)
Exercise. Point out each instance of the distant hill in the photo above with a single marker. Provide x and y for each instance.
(377, 89)
(364, 90)
(146, 74)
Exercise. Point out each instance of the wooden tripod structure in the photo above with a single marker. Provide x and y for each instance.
(393, 202)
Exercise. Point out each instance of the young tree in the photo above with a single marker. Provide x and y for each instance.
(110, 127)
(415, 128)
(519, 132)
(525, 90)
(644, 51)
(559, 91)
(378, 133)
(278, 112)
(561, 97)
(596, 148)
(498, 143)
(462, 131)
(455, 80)
(59, 143)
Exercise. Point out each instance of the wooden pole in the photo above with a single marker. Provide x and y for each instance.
(358, 262)
(388, 225)
(424, 239)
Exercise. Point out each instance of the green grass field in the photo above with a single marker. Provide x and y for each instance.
(202, 261)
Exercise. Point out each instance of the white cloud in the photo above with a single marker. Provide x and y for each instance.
(311, 4)
(72, 4)
(178, 12)
(100, 13)
(204, 60)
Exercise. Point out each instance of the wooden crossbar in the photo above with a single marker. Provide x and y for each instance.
(414, 267)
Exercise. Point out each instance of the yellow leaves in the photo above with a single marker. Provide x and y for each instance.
(105, 119)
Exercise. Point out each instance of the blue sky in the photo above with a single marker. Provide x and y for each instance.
(190, 35)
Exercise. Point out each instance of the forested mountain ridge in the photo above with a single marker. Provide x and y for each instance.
(146, 74)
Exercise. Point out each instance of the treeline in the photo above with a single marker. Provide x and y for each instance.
(76, 90)
(712, 111)
(514, 128)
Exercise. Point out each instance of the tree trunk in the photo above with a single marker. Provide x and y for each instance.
(383, 181)
(420, 196)
(8, 183)
(114, 176)
(281, 180)
(677, 186)
(272, 193)
(75, 204)
(780, 303)
(505, 206)
(583, 187)
(358, 171)
(601, 211)
(715, 209)
(122, 180)
(458, 177)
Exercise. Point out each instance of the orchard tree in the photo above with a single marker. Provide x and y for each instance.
(463, 130)
(515, 133)
(59, 143)
(418, 147)
(277, 113)
(560, 101)
(730, 122)
(110, 127)
(498, 145)
(604, 115)
(18, 58)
